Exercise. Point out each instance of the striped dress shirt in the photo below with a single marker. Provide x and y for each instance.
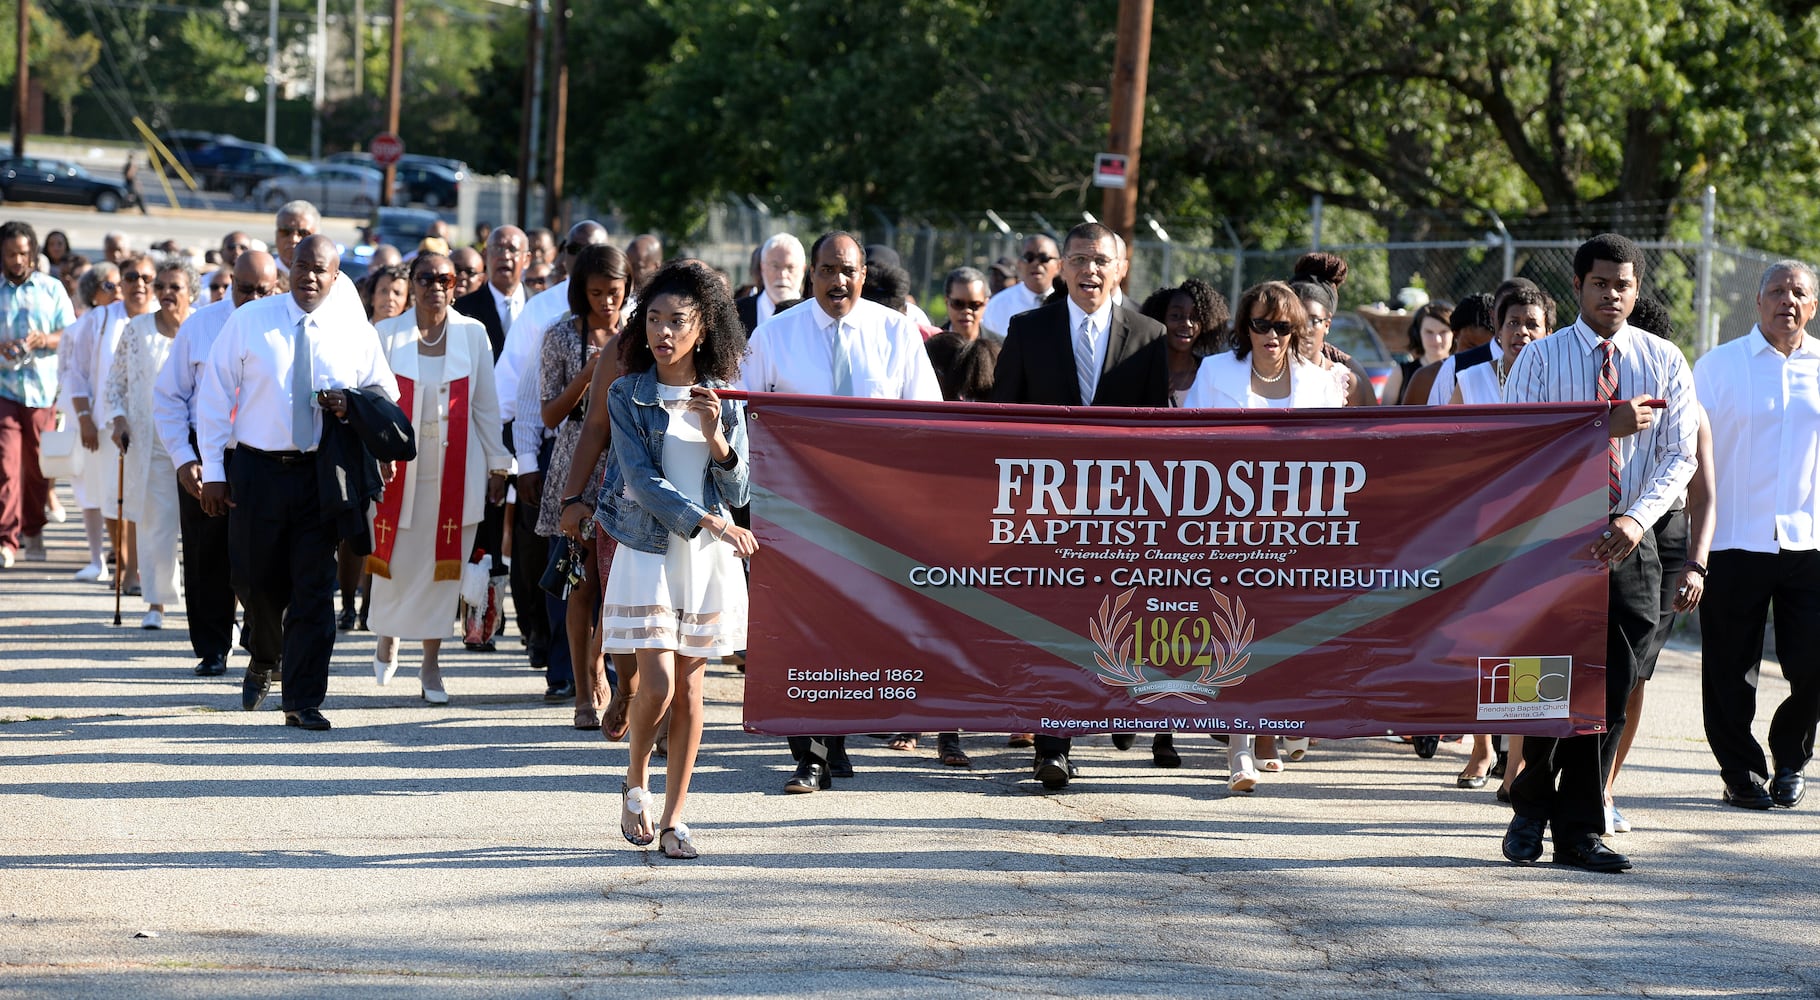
(1654, 464)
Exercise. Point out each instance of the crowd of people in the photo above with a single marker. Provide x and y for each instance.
(544, 419)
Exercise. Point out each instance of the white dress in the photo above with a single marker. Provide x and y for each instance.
(691, 599)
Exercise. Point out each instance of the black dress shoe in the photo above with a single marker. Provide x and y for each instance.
(1747, 794)
(1163, 752)
(307, 718)
(558, 693)
(1123, 741)
(254, 688)
(1523, 839)
(480, 647)
(1787, 787)
(839, 764)
(1591, 854)
(213, 666)
(1426, 746)
(811, 776)
(345, 623)
(1054, 773)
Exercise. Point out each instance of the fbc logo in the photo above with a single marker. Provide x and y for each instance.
(1524, 687)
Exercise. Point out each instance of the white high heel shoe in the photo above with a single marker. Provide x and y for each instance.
(384, 669)
(1244, 767)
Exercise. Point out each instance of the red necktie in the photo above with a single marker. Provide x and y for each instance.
(1608, 390)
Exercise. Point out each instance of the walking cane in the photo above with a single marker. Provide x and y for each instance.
(120, 518)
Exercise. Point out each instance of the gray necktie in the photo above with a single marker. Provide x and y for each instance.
(303, 422)
(843, 365)
(1084, 369)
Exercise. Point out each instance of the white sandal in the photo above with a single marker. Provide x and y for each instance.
(685, 843)
(636, 802)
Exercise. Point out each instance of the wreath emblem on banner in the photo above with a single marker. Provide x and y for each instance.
(1220, 664)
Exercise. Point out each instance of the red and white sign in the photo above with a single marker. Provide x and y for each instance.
(1110, 170)
(387, 149)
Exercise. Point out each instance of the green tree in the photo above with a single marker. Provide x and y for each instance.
(64, 66)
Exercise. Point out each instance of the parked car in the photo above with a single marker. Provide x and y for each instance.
(1352, 334)
(404, 228)
(334, 188)
(183, 144)
(419, 180)
(236, 166)
(38, 178)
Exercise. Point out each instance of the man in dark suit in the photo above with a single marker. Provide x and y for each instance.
(496, 304)
(781, 266)
(1078, 349)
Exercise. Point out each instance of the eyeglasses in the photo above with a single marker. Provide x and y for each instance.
(297, 231)
(1037, 258)
(1265, 327)
(467, 272)
(965, 305)
(253, 291)
(1081, 261)
(1323, 321)
(536, 282)
(109, 286)
(162, 287)
(135, 278)
(443, 280)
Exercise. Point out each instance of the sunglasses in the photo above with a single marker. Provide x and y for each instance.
(1037, 258)
(253, 291)
(135, 278)
(297, 231)
(965, 305)
(109, 286)
(162, 287)
(536, 282)
(1265, 327)
(468, 272)
(427, 280)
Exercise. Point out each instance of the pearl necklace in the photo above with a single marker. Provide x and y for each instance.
(423, 341)
(1268, 379)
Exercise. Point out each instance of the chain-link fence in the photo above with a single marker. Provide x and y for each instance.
(1708, 287)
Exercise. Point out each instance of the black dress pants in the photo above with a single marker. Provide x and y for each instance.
(1563, 780)
(1052, 746)
(1741, 587)
(208, 590)
(530, 554)
(283, 558)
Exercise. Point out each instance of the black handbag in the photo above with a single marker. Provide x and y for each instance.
(565, 570)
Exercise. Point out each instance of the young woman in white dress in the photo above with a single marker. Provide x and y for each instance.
(676, 594)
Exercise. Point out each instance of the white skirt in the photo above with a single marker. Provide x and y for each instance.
(691, 599)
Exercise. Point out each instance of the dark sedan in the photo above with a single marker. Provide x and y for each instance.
(37, 178)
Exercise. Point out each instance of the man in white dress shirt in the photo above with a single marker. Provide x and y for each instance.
(515, 377)
(279, 369)
(837, 344)
(1648, 465)
(1762, 393)
(208, 592)
(1041, 262)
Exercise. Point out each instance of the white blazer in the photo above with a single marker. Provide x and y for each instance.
(469, 355)
(1224, 383)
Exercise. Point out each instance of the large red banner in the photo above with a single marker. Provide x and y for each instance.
(1334, 573)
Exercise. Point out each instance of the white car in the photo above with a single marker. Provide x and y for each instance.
(342, 189)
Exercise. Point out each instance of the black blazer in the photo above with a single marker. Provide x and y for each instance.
(347, 461)
(1036, 365)
(478, 305)
(747, 307)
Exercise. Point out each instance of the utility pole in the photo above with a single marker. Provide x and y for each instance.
(394, 81)
(559, 109)
(322, 60)
(360, 47)
(1130, 75)
(271, 77)
(527, 115)
(21, 80)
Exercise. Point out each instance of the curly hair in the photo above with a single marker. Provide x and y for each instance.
(723, 337)
(1272, 298)
(1210, 311)
(1428, 310)
(369, 282)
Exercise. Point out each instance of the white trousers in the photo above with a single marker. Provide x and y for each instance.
(159, 530)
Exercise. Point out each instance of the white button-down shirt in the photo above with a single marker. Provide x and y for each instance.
(519, 362)
(1655, 464)
(790, 353)
(174, 394)
(1765, 415)
(1102, 340)
(508, 306)
(251, 365)
(996, 317)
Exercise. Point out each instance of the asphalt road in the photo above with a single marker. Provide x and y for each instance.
(156, 841)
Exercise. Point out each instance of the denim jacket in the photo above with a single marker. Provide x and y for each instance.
(637, 505)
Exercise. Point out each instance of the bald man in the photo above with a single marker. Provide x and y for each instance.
(279, 371)
(208, 594)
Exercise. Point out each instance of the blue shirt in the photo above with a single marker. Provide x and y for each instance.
(38, 303)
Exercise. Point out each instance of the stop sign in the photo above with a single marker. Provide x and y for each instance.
(386, 149)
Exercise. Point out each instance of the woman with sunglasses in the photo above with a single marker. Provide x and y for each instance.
(423, 528)
(1266, 369)
(150, 494)
(97, 290)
